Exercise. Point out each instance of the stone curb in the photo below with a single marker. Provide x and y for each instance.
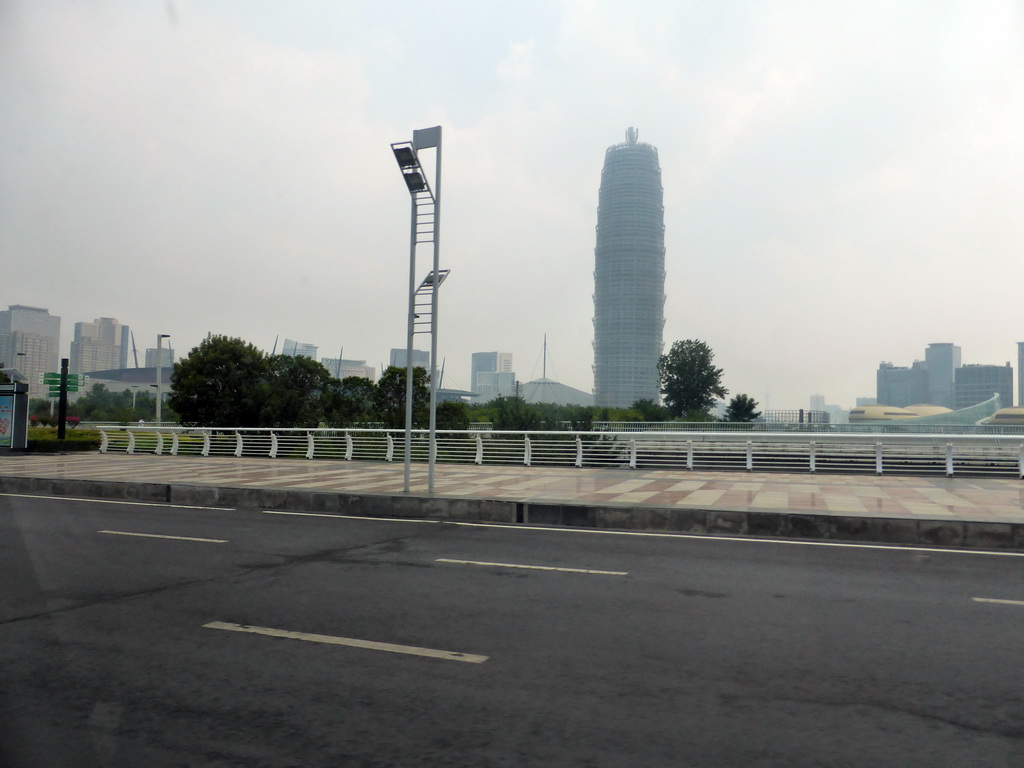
(951, 534)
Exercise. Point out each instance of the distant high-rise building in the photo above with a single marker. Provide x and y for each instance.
(166, 357)
(977, 383)
(817, 402)
(629, 275)
(29, 341)
(1020, 373)
(420, 359)
(342, 369)
(492, 376)
(901, 386)
(492, 384)
(101, 345)
(942, 360)
(298, 349)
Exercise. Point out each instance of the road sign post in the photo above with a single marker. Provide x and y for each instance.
(62, 404)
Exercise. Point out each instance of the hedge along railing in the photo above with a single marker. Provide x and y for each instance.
(878, 454)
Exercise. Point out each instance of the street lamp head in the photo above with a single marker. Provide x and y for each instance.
(163, 335)
(406, 156)
(414, 180)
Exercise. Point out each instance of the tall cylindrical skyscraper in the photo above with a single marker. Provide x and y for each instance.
(629, 275)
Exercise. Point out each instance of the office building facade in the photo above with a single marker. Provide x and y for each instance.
(900, 386)
(343, 369)
(491, 376)
(977, 383)
(420, 358)
(101, 345)
(1020, 373)
(166, 357)
(629, 275)
(942, 360)
(30, 341)
(299, 349)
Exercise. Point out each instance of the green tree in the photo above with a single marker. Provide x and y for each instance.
(689, 380)
(741, 408)
(349, 401)
(452, 414)
(389, 398)
(294, 392)
(650, 410)
(513, 413)
(223, 382)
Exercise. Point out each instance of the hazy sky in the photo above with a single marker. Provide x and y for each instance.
(843, 180)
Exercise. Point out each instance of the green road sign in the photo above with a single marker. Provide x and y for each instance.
(73, 378)
(56, 390)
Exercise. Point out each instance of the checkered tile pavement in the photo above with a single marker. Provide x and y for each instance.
(970, 499)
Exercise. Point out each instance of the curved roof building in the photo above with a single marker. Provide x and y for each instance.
(629, 275)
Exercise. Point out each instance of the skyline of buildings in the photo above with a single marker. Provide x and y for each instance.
(629, 275)
(942, 380)
(104, 343)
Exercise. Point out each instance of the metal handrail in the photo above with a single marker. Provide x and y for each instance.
(993, 454)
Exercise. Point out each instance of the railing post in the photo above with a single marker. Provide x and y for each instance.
(390, 455)
(750, 455)
(310, 445)
(206, 443)
(273, 445)
(104, 441)
(813, 457)
(579, 451)
(174, 443)
(159, 443)
(131, 442)
(238, 445)
(689, 454)
(878, 458)
(349, 448)
(526, 450)
(479, 459)
(949, 459)
(632, 453)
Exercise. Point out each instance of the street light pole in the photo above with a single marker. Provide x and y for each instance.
(432, 137)
(159, 366)
(424, 228)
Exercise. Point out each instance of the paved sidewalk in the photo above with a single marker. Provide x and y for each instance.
(970, 499)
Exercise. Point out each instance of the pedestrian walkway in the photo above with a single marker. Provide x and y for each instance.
(981, 500)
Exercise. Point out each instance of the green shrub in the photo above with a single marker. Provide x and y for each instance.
(44, 440)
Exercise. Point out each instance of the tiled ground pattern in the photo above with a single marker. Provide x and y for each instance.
(983, 499)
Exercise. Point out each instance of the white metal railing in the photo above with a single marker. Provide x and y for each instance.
(748, 451)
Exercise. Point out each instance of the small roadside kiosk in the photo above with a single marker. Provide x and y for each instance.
(13, 416)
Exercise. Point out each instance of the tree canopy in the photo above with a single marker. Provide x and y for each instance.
(389, 398)
(689, 380)
(741, 408)
(222, 382)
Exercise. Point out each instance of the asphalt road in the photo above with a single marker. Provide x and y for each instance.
(398, 643)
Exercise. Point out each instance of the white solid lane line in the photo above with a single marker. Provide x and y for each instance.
(533, 567)
(737, 539)
(352, 517)
(112, 501)
(997, 600)
(161, 536)
(351, 642)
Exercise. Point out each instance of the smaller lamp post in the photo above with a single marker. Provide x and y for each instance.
(159, 365)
